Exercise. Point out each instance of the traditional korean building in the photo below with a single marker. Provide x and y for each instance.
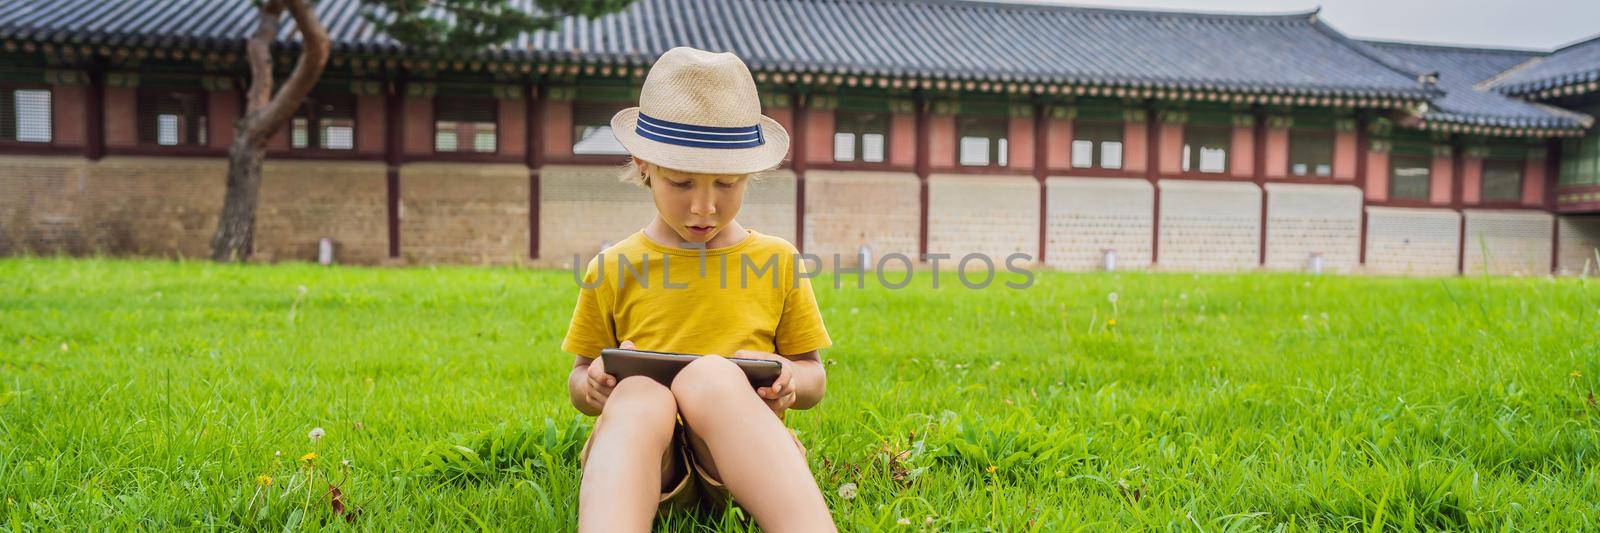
(1180, 141)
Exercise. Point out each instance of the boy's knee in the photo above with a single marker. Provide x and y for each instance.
(642, 400)
(708, 378)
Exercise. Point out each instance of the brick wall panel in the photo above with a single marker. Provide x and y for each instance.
(1507, 242)
(993, 215)
(463, 213)
(1210, 226)
(1579, 245)
(848, 209)
(1090, 215)
(304, 201)
(1413, 241)
(1307, 219)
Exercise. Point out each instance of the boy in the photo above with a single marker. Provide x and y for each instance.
(695, 281)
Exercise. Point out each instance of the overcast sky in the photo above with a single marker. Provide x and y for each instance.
(1537, 24)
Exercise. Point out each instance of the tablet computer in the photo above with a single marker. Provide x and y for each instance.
(663, 366)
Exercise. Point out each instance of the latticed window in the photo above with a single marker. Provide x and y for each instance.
(464, 125)
(1205, 148)
(1097, 145)
(860, 136)
(981, 141)
(25, 115)
(1311, 153)
(172, 117)
(1410, 176)
(1502, 180)
(335, 120)
(591, 128)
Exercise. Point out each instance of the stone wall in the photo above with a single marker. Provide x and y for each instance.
(1090, 215)
(848, 209)
(159, 206)
(1209, 226)
(992, 215)
(464, 213)
(1412, 241)
(304, 201)
(1579, 243)
(1306, 219)
(1507, 242)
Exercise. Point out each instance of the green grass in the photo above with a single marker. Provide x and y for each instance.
(146, 394)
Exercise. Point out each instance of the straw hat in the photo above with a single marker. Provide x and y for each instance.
(699, 112)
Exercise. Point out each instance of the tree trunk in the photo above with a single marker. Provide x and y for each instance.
(265, 113)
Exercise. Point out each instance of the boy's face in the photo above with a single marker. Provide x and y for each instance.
(696, 206)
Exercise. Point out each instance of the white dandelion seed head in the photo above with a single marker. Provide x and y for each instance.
(1305, 317)
(928, 520)
(345, 462)
(1112, 297)
(1324, 315)
(1183, 296)
(301, 289)
(903, 521)
(847, 491)
(278, 453)
(316, 434)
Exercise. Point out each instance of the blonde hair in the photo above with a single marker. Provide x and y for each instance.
(634, 174)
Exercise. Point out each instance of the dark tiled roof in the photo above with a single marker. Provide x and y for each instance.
(950, 39)
(1461, 70)
(1571, 65)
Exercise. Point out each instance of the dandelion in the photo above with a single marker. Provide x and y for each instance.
(1324, 315)
(1111, 322)
(316, 434)
(312, 456)
(264, 480)
(302, 290)
(847, 491)
(1112, 298)
(63, 346)
(903, 521)
(359, 426)
(854, 310)
(278, 453)
(1304, 318)
(1183, 296)
(992, 469)
(1575, 374)
(928, 520)
(345, 463)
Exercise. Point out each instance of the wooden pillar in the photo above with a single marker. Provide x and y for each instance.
(94, 116)
(1361, 183)
(392, 158)
(1552, 179)
(1260, 175)
(924, 169)
(1041, 172)
(533, 156)
(1152, 172)
(1457, 202)
(797, 163)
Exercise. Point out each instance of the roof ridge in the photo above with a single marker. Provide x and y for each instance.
(1490, 82)
(1145, 12)
(1580, 42)
(1453, 47)
(1428, 80)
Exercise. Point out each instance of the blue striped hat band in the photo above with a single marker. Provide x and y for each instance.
(696, 136)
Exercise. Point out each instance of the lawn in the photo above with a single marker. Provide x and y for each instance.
(156, 395)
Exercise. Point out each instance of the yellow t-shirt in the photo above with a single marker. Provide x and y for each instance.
(743, 296)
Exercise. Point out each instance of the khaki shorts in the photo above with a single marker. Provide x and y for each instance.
(686, 467)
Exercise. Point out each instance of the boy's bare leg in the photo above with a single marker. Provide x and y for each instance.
(755, 456)
(622, 476)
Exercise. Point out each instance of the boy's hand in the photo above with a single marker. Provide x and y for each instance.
(601, 383)
(781, 394)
